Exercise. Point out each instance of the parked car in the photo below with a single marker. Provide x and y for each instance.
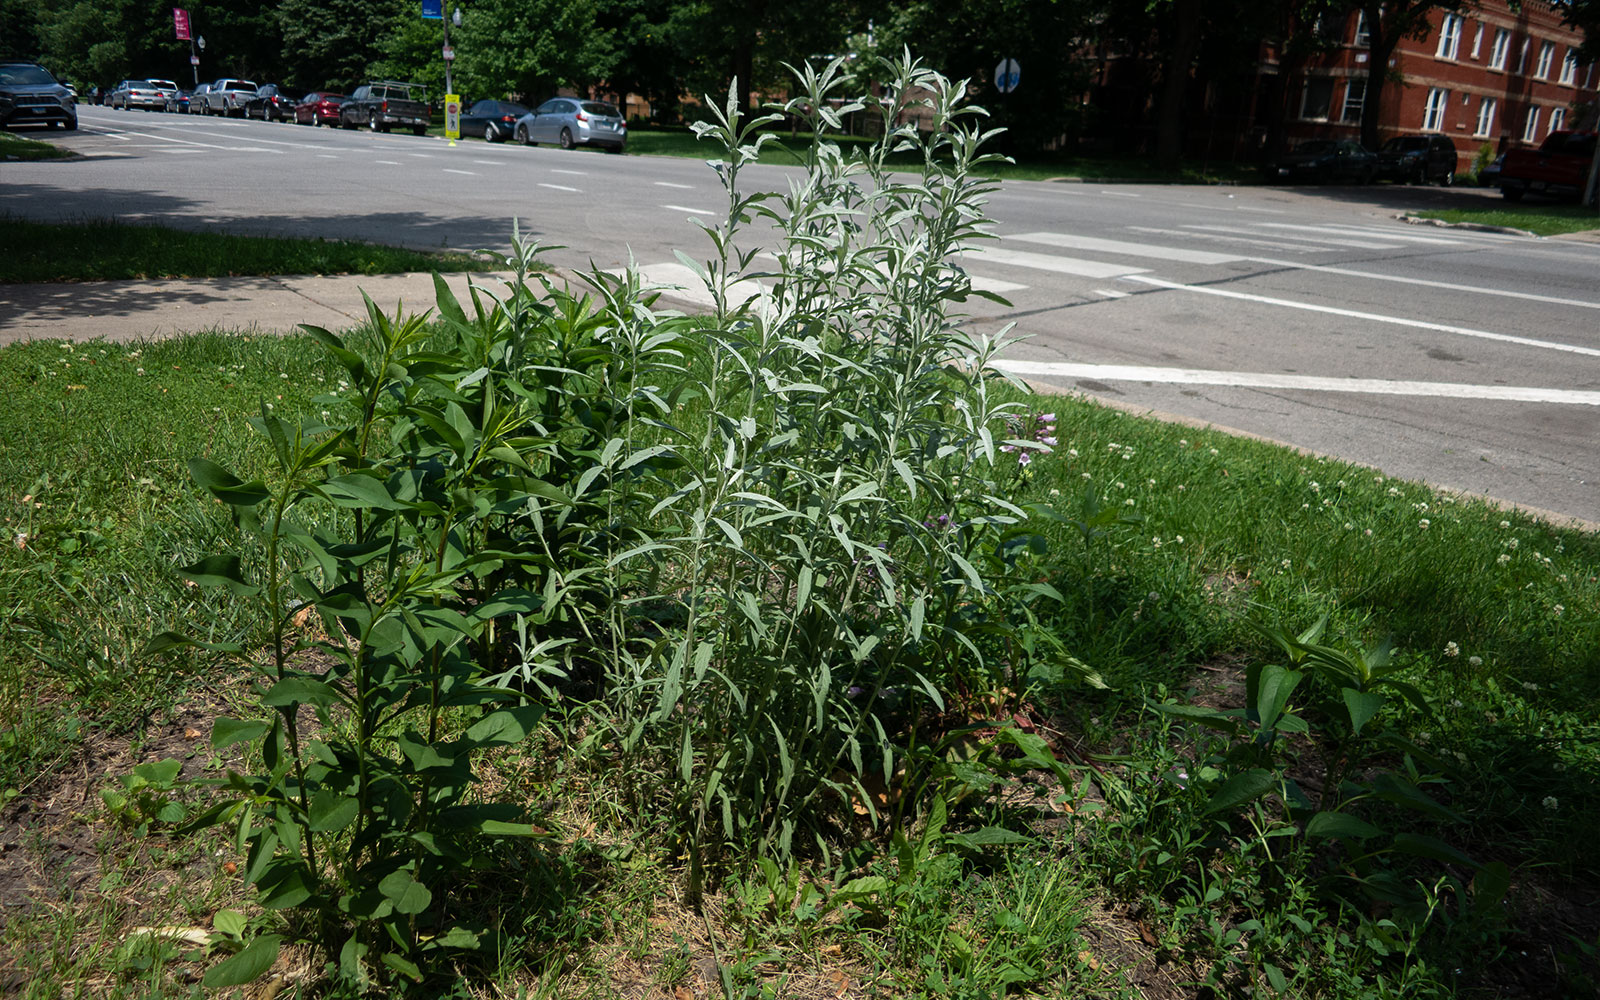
(1325, 160)
(1418, 159)
(493, 121)
(227, 97)
(179, 101)
(1489, 176)
(318, 108)
(571, 121)
(197, 100)
(271, 103)
(385, 104)
(149, 95)
(29, 95)
(1559, 168)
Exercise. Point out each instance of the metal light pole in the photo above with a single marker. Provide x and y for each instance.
(449, 53)
(194, 60)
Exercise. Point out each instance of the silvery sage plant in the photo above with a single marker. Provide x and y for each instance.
(832, 539)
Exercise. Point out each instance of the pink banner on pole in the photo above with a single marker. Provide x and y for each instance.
(180, 21)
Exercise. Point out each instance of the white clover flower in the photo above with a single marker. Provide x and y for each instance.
(1451, 649)
(1316, 487)
(1562, 578)
(1087, 476)
(1340, 484)
(1184, 442)
(1128, 502)
(1368, 532)
(1149, 482)
(1378, 480)
(1177, 539)
(1305, 506)
(1394, 491)
(1503, 558)
(1122, 486)
(1182, 487)
(1551, 803)
(1285, 564)
(1529, 686)
(1559, 610)
(1055, 493)
(1511, 543)
(1155, 542)
(1456, 703)
(1424, 523)
(1152, 596)
(1113, 446)
(1474, 661)
(1505, 524)
(1215, 451)
(1072, 452)
(1419, 507)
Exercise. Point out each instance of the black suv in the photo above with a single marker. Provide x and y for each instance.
(29, 95)
(1418, 159)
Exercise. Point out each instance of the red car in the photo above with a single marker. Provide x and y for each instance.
(318, 108)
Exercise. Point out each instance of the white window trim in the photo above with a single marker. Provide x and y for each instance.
(1500, 48)
(1363, 36)
(1434, 110)
(1486, 109)
(1569, 68)
(1477, 41)
(1558, 120)
(1357, 87)
(1522, 57)
(1530, 125)
(1449, 37)
(1547, 57)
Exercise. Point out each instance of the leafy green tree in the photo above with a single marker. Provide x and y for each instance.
(19, 29)
(1388, 22)
(1583, 15)
(331, 43)
(643, 55)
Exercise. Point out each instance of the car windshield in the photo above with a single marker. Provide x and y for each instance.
(25, 76)
(516, 110)
(238, 85)
(602, 109)
(1405, 145)
(163, 85)
(1317, 146)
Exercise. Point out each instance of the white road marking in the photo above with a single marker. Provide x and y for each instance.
(1402, 232)
(1050, 262)
(669, 184)
(685, 208)
(575, 173)
(995, 285)
(469, 173)
(1427, 283)
(1264, 211)
(106, 152)
(491, 163)
(1326, 241)
(1220, 238)
(1069, 242)
(559, 187)
(390, 163)
(421, 156)
(1341, 231)
(1121, 194)
(1459, 331)
(326, 156)
(1315, 383)
(1110, 293)
(682, 282)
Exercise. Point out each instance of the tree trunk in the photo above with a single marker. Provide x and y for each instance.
(1175, 81)
(1383, 39)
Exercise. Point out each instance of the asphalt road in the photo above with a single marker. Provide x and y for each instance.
(1311, 316)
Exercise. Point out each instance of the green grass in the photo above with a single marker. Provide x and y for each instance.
(102, 250)
(19, 147)
(1545, 219)
(1497, 617)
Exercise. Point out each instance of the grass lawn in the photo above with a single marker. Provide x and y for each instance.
(103, 250)
(1495, 616)
(1543, 218)
(18, 146)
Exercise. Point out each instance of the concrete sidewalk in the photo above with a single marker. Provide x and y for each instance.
(133, 310)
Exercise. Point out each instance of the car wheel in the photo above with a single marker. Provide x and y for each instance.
(566, 138)
(372, 123)
(71, 124)
(1448, 180)
(419, 130)
(1511, 193)
(615, 149)
(491, 133)
(522, 135)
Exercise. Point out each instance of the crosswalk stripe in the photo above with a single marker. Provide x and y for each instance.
(1067, 241)
(1221, 238)
(1346, 231)
(1320, 240)
(1049, 262)
(1315, 383)
(681, 282)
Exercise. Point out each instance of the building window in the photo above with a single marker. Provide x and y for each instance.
(1522, 57)
(1363, 36)
(1433, 115)
(1355, 98)
(1449, 36)
(1530, 127)
(1477, 41)
(1485, 116)
(1497, 52)
(1569, 68)
(1547, 55)
(1318, 97)
(1558, 119)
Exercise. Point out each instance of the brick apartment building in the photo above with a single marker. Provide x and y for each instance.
(1488, 75)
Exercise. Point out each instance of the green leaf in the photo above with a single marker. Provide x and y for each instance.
(1272, 694)
(504, 727)
(220, 571)
(245, 967)
(1489, 886)
(1392, 788)
(299, 691)
(230, 922)
(988, 836)
(402, 965)
(225, 486)
(159, 773)
(500, 828)
(1247, 786)
(1340, 826)
(1430, 847)
(406, 893)
(1362, 706)
(457, 937)
(358, 490)
(331, 811)
(1275, 977)
(227, 732)
(284, 885)
(170, 812)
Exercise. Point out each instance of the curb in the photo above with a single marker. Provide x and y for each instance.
(1476, 227)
